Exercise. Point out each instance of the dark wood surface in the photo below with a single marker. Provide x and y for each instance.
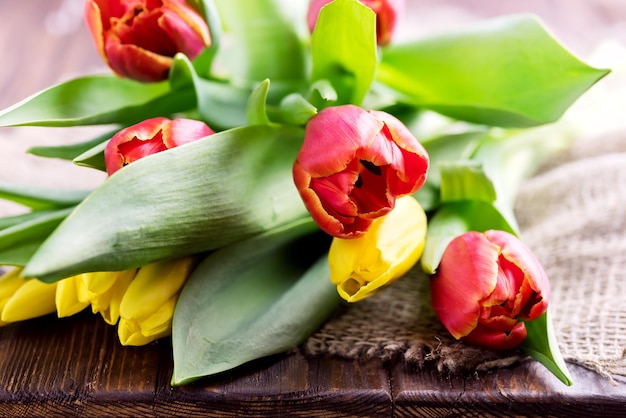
(76, 367)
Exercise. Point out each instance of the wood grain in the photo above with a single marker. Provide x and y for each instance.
(76, 367)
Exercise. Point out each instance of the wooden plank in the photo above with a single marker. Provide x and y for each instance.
(73, 366)
(285, 385)
(527, 389)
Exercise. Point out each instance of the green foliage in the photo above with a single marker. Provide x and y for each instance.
(505, 72)
(343, 49)
(251, 299)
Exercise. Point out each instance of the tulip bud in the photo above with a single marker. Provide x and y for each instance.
(149, 137)
(360, 267)
(387, 12)
(147, 307)
(139, 38)
(486, 285)
(352, 166)
(22, 299)
(71, 296)
(105, 291)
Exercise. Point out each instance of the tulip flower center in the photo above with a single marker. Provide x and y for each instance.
(137, 148)
(370, 188)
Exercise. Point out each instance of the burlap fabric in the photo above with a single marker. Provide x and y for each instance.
(572, 215)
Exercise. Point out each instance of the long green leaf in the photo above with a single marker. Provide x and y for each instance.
(71, 151)
(97, 100)
(541, 344)
(508, 71)
(343, 49)
(247, 301)
(220, 105)
(266, 43)
(20, 239)
(41, 198)
(189, 199)
(38, 227)
(19, 254)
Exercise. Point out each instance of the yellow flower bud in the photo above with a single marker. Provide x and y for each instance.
(392, 245)
(148, 305)
(22, 299)
(71, 296)
(9, 283)
(105, 291)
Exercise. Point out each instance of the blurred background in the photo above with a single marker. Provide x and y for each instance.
(43, 42)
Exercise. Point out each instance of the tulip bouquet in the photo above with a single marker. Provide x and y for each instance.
(260, 172)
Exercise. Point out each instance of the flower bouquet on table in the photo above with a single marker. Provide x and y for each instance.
(260, 173)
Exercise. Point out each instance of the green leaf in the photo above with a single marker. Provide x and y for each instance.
(441, 150)
(72, 151)
(93, 158)
(541, 344)
(185, 200)
(220, 105)
(296, 110)
(465, 180)
(454, 219)
(250, 300)
(256, 107)
(506, 72)
(20, 253)
(97, 100)
(343, 49)
(19, 241)
(265, 42)
(41, 198)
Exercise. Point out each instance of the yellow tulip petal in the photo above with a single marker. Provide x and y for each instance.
(153, 286)
(360, 267)
(161, 321)
(9, 283)
(129, 333)
(108, 305)
(68, 296)
(34, 298)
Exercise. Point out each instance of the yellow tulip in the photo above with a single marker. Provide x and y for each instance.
(71, 296)
(147, 307)
(22, 299)
(392, 245)
(105, 291)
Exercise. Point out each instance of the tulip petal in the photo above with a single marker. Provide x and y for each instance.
(185, 28)
(497, 340)
(153, 286)
(467, 275)
(344, 129)
(70, 296)
(360, 267)
(130, 61)
(33, 299)
(535, 277)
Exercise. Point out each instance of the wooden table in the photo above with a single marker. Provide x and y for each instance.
(76, 367)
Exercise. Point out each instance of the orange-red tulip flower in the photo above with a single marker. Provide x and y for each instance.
(139, 38)
(352, 166)
(149, 137)
(486, 285)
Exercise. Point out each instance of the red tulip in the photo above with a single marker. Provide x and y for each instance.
(138, 38)
(485, 287)
(353, 165)
(149, 137)
(387, 12)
